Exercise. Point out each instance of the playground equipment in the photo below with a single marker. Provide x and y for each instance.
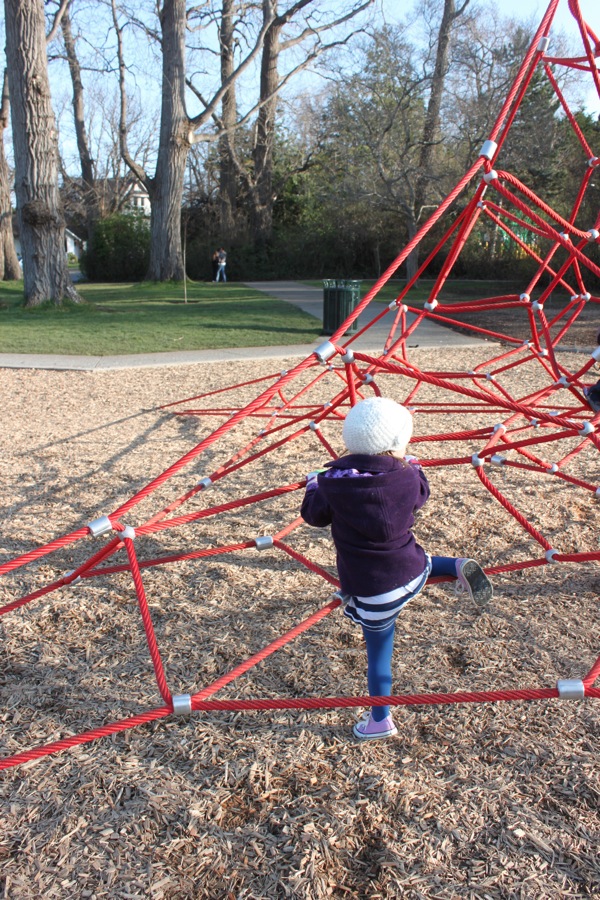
(554, 420)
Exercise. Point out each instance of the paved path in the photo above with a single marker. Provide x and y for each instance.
(309, 299)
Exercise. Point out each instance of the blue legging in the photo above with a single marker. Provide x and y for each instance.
(380, 646)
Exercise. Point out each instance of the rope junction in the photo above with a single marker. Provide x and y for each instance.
(555, 418)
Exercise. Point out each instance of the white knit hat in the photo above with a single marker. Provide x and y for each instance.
(376, 425)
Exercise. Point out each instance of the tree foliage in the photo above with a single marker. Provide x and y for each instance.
(298, 177)
(119, 250)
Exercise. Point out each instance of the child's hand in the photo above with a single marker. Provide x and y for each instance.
(311, 478)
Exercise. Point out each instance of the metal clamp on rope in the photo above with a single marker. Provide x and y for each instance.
(552, 469)
(550, 554)
(570, 689)
(593, 234)
(128, 534)
(497, 459)
(182, 704)
(314, 426)
(368, 378)
(527, 298)
(205, 482)
(593, 161)
(588, 428)
(263, 543)
(68, 575)
(477, 461)
(430, 305)
(543, 44)
(490, 176)
(348, 357)
(488, 150)
(585, 297)
(100, 526)
(324, 351)
(563, 381)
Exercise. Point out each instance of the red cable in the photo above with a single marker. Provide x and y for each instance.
(148, 626)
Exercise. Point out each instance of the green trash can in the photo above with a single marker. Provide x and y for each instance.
(340, 298)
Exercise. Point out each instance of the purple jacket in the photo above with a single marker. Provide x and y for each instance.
(370, 520)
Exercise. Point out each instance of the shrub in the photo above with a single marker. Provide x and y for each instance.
(119, 249)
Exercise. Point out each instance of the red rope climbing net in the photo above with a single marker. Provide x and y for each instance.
(555, 418)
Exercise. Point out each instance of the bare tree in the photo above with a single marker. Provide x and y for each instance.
(217, 116)
(388, 115)
(258, 180)
(41, 222)
(431, 136)
(105, 183)
(227, 169)
(88, 179)
(10, 270)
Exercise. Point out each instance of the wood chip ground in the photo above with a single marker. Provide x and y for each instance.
(477, 801)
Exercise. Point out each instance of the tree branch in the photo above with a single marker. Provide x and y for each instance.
(5, 108)
(137, 170)
(199, 120)
(56, 23)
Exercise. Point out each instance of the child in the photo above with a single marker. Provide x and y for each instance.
(369, 498)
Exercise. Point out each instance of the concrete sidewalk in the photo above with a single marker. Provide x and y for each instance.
(310, 300)
(307, 298)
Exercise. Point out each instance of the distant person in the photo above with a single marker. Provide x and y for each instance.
(222, 263)
(215, 264)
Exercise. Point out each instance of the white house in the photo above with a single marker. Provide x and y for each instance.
(73, 243)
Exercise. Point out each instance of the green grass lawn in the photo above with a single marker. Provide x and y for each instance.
(151, 318)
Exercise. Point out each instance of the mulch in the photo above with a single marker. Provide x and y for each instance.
(471, 801)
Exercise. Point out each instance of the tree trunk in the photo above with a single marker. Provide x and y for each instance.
(92, 206)
(262, 194)
(432, 118)
(10, 270)
(227, 170)
(35, 141)
(431, 125)
(166, 188)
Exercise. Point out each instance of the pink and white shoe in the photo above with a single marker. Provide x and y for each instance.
(471, 578)
(370, 730)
